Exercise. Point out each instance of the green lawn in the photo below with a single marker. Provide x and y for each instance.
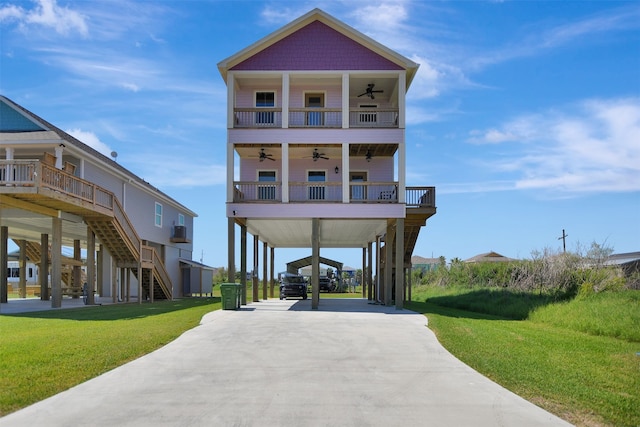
(47, 352)
(585, 371)
(588, 375)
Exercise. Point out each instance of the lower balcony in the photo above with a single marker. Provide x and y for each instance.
(314, 192)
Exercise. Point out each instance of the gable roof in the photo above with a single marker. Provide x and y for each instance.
(18, 120)
(489, 257)
(418, 260)
(319, 22)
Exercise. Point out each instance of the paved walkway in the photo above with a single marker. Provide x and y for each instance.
(279, 363)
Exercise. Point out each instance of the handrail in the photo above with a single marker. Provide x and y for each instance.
(162, 274)
(420, 197)
(134, 243)
(33, 173)
(314, 117)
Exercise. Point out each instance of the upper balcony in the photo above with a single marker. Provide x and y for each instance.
(316, 118)
(316, 100)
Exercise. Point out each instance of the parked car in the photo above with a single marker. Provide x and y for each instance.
(326, 284)
(293, 285)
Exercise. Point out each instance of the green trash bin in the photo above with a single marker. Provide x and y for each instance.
(230, 296)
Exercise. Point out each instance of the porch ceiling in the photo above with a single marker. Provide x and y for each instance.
(334, 233)
(302, 151)
(26, 225)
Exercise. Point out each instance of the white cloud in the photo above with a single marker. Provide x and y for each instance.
(542, 39)
(590, 147)
(91, 139)
(165, 171)
(46, 14)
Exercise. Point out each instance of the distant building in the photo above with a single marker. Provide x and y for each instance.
(629, 261)
(424, 264)
(489, 257)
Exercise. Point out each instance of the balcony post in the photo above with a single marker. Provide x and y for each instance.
(58, 150)
(402, 90)
(402, 170)
(285, 100)
(345, 172)
(231, 96)
(285, 172)
(230, 172)
(345, 101)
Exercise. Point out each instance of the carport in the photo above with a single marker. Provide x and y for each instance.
(294, 266)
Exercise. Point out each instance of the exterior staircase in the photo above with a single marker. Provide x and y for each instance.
(42, 187)
(125, 246)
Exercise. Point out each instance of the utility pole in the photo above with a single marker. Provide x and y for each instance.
(564, 241)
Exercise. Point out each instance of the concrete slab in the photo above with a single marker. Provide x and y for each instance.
(279, 363)
(26, 305)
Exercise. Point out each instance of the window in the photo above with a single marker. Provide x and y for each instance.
(316, 192)
(266, 191)
(265, 100)
(180, 219)
(158, 220)
(368, 116)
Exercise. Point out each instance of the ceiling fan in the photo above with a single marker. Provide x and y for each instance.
(264, 155)
(317, 155)
(369, 91)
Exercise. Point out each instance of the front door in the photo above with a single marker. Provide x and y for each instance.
(358, 192)
(314, 100)
(316, 191)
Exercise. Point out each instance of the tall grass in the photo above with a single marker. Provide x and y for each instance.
(610, 314)
(47, 352)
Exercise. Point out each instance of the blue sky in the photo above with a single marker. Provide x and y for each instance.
(525, 116)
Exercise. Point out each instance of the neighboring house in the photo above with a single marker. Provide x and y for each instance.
(424, 264)
(629, 262)
(316, 117)
(489, 257)
(56, 191)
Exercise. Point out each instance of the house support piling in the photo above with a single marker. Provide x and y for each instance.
(315, 263)
(56, 263)
(399, 263)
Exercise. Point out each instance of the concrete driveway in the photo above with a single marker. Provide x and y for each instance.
(279, 363)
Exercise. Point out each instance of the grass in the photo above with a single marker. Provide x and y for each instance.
(585, 371)
(577, 358)
(47, 352)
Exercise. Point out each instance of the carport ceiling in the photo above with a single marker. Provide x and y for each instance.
(334, 233)
(25, 225)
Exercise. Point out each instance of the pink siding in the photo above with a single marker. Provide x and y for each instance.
(378, 170)
(316, 47)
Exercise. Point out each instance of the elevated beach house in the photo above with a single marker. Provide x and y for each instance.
(128, 240)
(316, 118)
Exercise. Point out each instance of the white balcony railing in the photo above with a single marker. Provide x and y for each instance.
(317, 192)
(257, 118)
